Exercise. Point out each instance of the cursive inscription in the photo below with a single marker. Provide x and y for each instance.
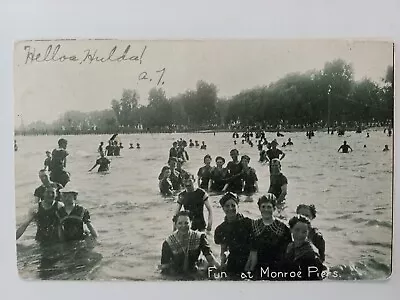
(55, 54)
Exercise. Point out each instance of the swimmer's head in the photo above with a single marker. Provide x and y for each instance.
(275, 166)
(62, 143)
(188, 181)
(183, 221)
(44, 176)
(202, 142)
(220, 161)
(234, 153)
(101, 143)
(245, 159)
(229, 203)
(299, 226)
(308, 211)
(49, 194)
(344, 142)
(174, 144)
(69, 194)
(207, 159)
(172, 161)
(48, 153)
(267, 204)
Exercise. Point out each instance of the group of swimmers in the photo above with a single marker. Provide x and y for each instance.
(57, 214)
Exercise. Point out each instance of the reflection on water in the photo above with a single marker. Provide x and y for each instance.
(352, 193)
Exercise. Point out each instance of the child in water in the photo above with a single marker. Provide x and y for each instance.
(386, 148)
(301, 254)
(314, 235)
(165, 183)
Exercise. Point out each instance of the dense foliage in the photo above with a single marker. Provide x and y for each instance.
(329, 97)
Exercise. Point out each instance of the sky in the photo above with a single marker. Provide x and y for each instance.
(46, 88)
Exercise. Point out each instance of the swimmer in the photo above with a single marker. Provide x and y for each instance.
(235, 168)
(15, 145)
(301, 254)
(100, 149)
(386, 148)
(191, 143)
(365, 146)
(289, 142)
(110, 149)
(102, 162)
(47, 216)
(249, 176)
(278, 181)
(47, 161)
(131, 146)
(165, 184)
(173, 152)
(204, 173)
(284, 144)
(234, 142)
(72, 224)
(59, 163)
(274, 152)
(203, 146)
(367, 135)
(194, 199)
(46, 183)
(219, 174)
(314, 235)
(117, 149)
(137, 146)
(196, 143)
(345, 148)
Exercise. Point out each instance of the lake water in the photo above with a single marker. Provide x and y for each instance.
(352, 193)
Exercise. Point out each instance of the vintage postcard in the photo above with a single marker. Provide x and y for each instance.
(216, 160)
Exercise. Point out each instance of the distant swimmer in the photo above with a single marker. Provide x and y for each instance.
(284, 144)
(289, 142)
(191, 143)
(165, 184)
(182, 154)
(365, 146)
(367, 135)
(131, 146)
(345, 148)
(47, 216)
(175, 177)
(137, 146)
(110, 149)
(263, 156)
(386, 148)
(72, 224)
(15, 145)
(234, 178)
(100, 149)
(251, 143)
(234, 142)
(196, 143)
(47, 161)
(243, 141)
(117, 149)
(203, 146)
(102, 162)
(390, 132)
(218, 175)
(59, 163)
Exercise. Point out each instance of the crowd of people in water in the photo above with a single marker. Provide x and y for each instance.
(266, 248)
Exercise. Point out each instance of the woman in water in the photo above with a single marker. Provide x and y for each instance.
(77, 216)
(204, 173)
(181, 250)
(165, 183)
(314, 235)
(249, 177)
(194, 199)
(271, 236)
(236, 236)
(234, 178)
(301, 254)
(218, 176)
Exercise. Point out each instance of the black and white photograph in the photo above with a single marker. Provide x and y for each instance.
(204, 160)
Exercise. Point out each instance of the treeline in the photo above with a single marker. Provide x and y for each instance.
(317, 99)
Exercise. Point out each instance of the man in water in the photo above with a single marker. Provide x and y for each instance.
(234, 177)
(46, 183)
(274, 152)
(278, 181)
(289, 142)
(345, 148)
(117, 149)
(110, 149)
(386, 148)
(47, 161)
(47, 217)
(72, 224)
(100, 149)
(59, 163)
(102, 162)
(173, 152)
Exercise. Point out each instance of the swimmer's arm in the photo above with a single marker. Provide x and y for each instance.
(93, 167)
(283, 155)
(178, 209)
(210, 182)
(92, 230)
(283, 194)
(21, 229)
(210, 215)
(225, 187)
(339, 148)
